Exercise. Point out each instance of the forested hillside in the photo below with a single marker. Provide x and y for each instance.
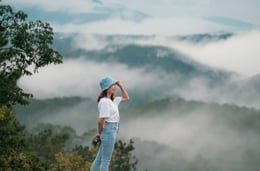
(182, 115)
(172, 132)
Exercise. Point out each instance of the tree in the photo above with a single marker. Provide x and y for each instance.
(12, 139)
(23, 44)
(70, 162)
(13, 144)
(122, 157)
(47, 143)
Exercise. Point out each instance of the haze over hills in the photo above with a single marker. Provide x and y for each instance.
(173, 133)
(178, 74)
(180, 109)
(192, 73)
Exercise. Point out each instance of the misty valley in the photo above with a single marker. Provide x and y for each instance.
(182, 115)
(173, 133)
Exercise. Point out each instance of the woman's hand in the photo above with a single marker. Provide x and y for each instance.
(96, 140)
(125, 96)
(119, 84)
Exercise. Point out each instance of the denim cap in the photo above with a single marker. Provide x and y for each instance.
(105, 83)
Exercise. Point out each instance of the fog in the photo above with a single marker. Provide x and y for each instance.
(164, 26)
(178, 135)
(239, 53)
(204, 137)
(214, 135)
(192, 134)
(81, 78)
(81, 117)
(193, 138)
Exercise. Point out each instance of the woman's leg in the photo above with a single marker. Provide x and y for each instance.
(108, 139)
(96, 163)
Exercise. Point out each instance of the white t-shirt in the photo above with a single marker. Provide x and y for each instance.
(108, 109)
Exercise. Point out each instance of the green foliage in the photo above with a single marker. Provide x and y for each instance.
(51, 149)
(22, 44)
(46, 148)
(13, 144)
(122, 158)
(70, 162)
(87, 153)
(12, 139)
(46, 144)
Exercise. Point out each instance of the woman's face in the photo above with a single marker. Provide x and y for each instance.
(112, 89)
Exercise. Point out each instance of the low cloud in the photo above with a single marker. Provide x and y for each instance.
(90, 42)
(239, 53)
(197, 128)
(80, 77)
(197, 135)
(164, 26)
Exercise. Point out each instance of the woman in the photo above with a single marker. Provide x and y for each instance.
(108, 121)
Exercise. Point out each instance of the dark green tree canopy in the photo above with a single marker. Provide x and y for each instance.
(23, 44)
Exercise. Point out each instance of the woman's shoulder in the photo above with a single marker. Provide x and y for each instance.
(117, 100)
(104, 100)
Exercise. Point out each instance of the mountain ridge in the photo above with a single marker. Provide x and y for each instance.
(183, 76)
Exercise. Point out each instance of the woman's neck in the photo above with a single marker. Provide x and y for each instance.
(109, 95)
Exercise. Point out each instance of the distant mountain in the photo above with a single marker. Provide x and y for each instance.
(254, 81)
(245, 91)
(185, 77)
(101, 12)
(74, 111)
(231, 22)
(191, 133)
(202, 38)
(184, 134)
(150, 57)
(115, 39)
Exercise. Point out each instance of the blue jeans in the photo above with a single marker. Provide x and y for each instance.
(108, 139)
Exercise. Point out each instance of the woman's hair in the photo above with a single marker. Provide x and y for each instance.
(104, 94)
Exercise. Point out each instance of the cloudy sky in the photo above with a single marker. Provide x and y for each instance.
(162, 18)
(145, 17)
